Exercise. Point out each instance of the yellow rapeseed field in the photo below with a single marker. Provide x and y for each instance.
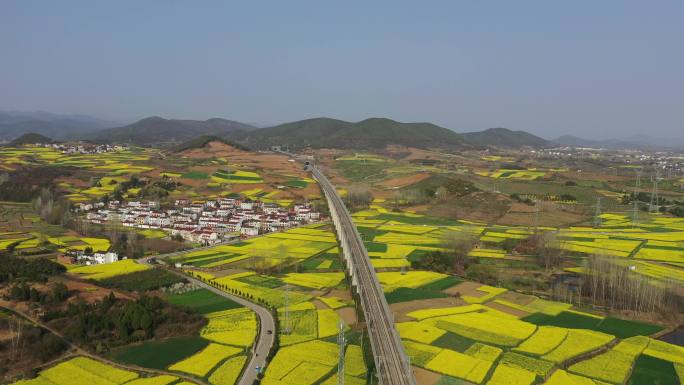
(108, 270)
(201, 363)
(81, 371)
(232, 327)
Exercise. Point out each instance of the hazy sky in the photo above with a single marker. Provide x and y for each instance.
(590, 68)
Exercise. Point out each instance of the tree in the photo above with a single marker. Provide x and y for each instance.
(439, 261)
(483, 273)
(612, 284)
(547, 247)
(441, 193)
(460, 243)
(358, 196)
(60, 292)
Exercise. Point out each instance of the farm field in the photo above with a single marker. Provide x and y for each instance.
(308, 353)
(109, 270)
(490, 343)
(99, 175)
(655, 248)
(487, 336)
(455, 330)
(317, 303)
(23, 231)
(491, 334)
(217, 354)
(513, 174)
(292, 246)
(85, 371)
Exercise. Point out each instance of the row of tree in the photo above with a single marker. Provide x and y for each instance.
(611, 283)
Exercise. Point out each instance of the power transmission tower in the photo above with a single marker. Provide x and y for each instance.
(653, 207)
(597, 214)
(341, 341)
(287, 309)
(635, 209)
(537, 208)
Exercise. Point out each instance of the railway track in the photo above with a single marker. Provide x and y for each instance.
(391, 362)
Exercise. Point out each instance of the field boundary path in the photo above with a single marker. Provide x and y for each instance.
(391, 362)
(79, 351)
(264, 341)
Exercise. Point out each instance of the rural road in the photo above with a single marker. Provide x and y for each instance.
(264, 340)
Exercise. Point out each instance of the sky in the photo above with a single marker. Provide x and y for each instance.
(595, 69)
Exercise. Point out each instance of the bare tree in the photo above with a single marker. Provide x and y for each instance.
(358, 195)
(460, 243)
(612, 283)
(548, 248)
(441, 193)
(15, 331)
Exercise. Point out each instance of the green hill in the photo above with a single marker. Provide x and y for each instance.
(504, 138)
(29, 138)
(156, 131)
(371, 133)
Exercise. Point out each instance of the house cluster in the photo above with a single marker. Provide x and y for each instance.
(88, 258)
(205, 222)
(83, 148)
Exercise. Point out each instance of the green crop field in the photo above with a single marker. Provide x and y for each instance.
(142, 281)
(160, 354)
(202, 301)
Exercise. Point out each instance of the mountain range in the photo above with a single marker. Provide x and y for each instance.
(373, 133)
(13, 124)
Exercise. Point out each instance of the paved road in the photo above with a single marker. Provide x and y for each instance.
(391, 362)
(264, 341)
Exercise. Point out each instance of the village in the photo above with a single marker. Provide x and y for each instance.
(200, 222)
(82, 148)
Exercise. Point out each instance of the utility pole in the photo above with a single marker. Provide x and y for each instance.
(597, 214)
(341, 341)
(635, 209)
